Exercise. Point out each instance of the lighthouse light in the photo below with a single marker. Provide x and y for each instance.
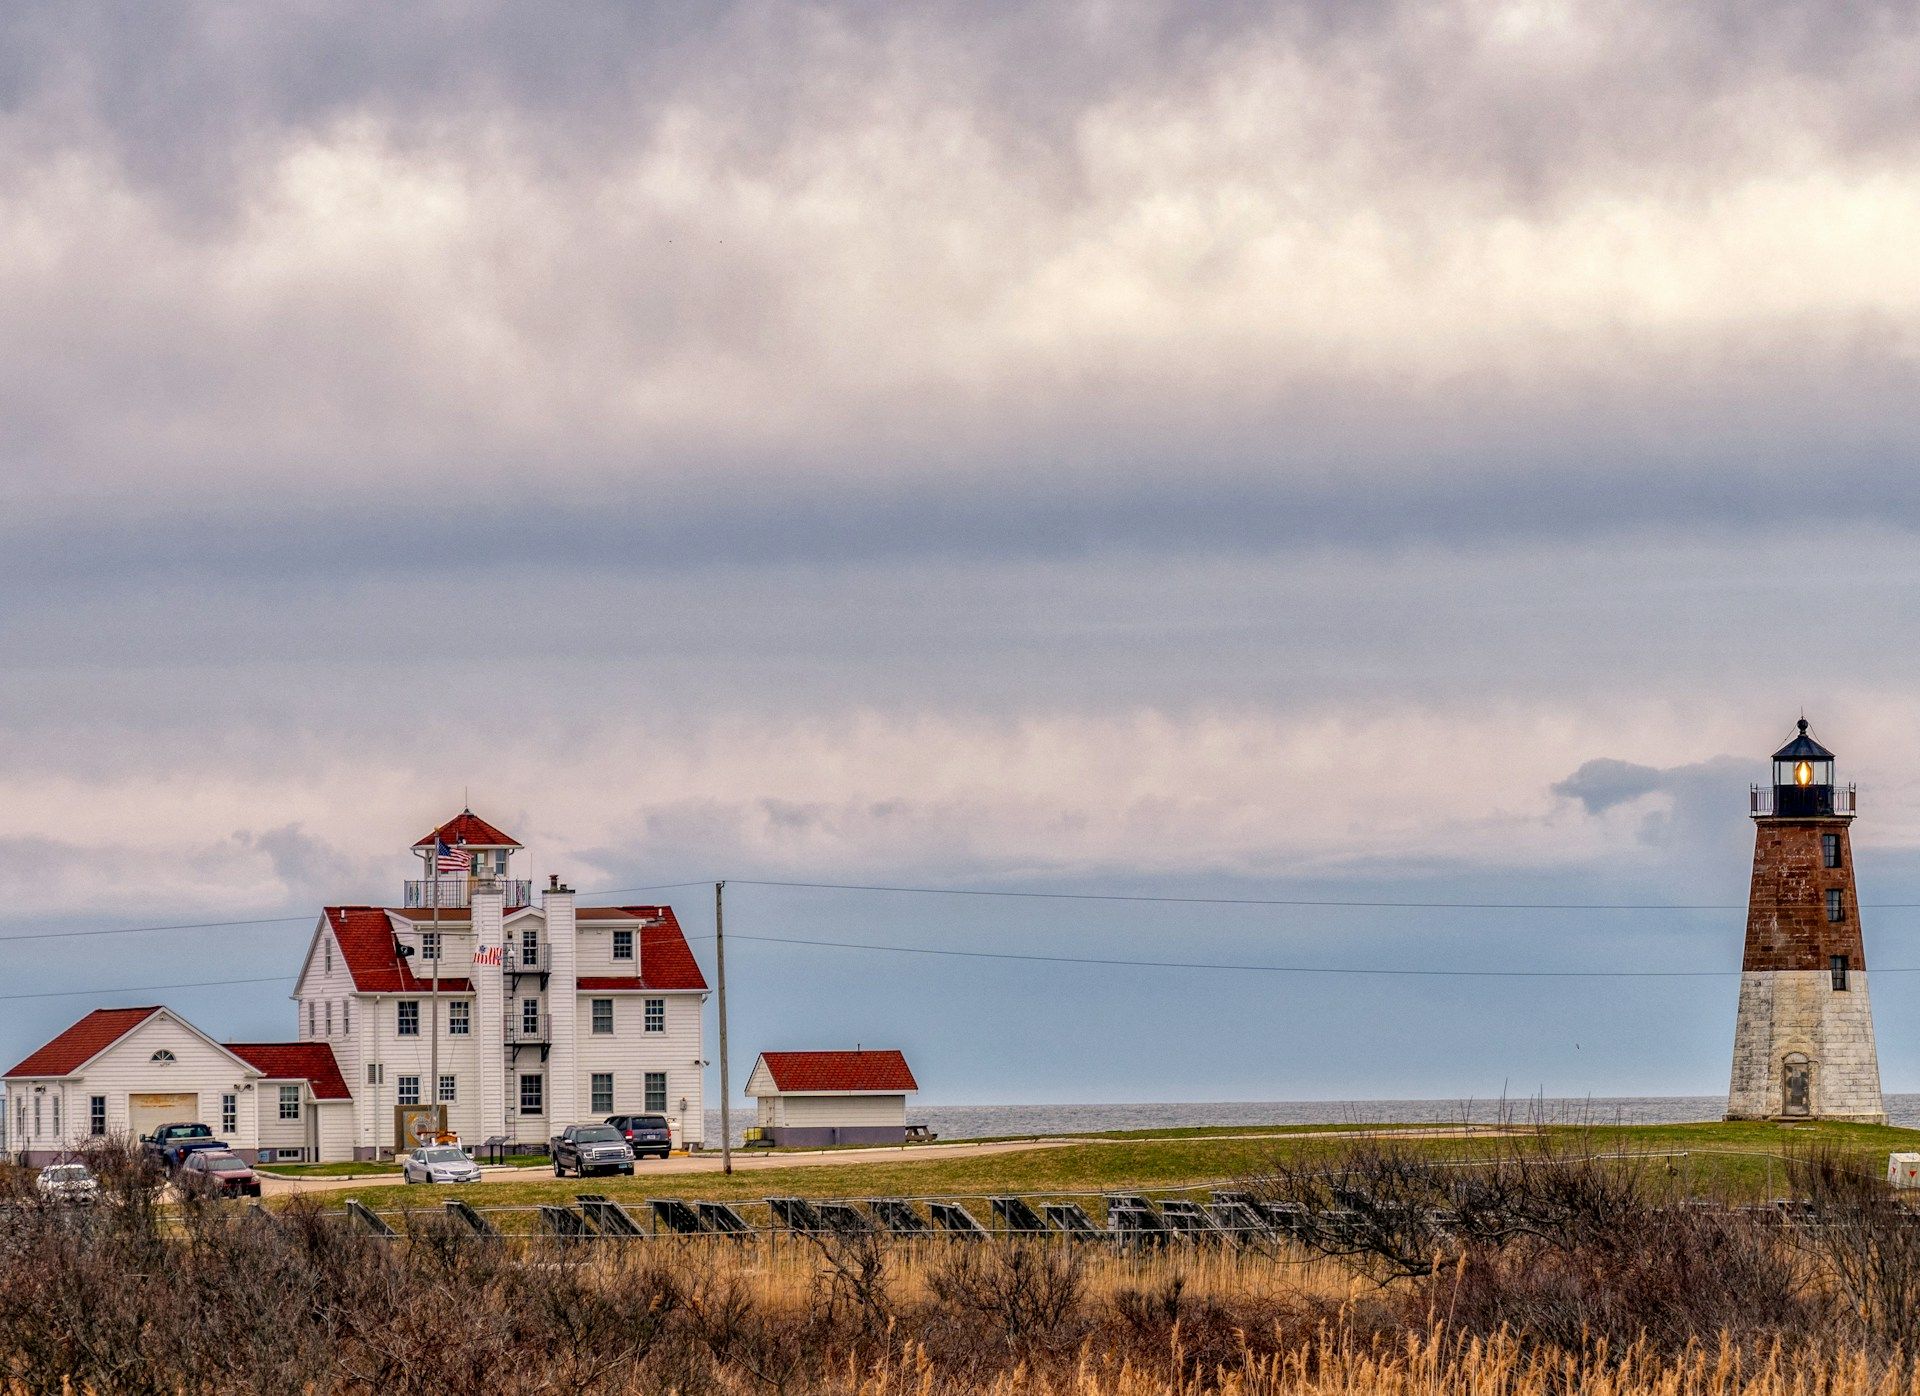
(1803, 773)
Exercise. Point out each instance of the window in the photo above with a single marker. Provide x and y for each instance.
(329, 1017)
(310, 1017)
(407, 1090)
(656, 1092)
(96, 1115)
(1836, 904)
(530, 1017)
(346, 1015)
(56, 1116)
(449, 1090)
(376, 1073)
(603, 1016)
(656, 1015)
(289, 1102)
(530, 1094)
(601, 1092)
(1829, 850)
(36, 1116)
(327, 944)
(162, 1057)
(409, 1020)
(429, 945)
(529, 947)
(22, 1114)
(623, 945)
(499, 862)
(459, 1018)
(1838, 964)
(229, 1113)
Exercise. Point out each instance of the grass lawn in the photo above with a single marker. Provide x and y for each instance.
(1740, 1160)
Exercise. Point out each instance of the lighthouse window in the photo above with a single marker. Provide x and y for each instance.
(1839, 965)
(1836, 907)
(1829, 850)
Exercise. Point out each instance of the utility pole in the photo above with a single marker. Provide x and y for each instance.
(720, 966)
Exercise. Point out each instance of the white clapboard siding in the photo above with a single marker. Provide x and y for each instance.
(814, 1111)
(630, 1052)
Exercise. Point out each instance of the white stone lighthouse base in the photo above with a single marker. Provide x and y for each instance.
(1795, 1024)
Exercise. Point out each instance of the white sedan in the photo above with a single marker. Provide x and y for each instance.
(67, 1182)
(439, 1163)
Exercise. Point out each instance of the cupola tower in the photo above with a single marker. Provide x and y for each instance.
(1803, 1043)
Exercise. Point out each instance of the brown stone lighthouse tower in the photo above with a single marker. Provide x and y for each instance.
(1803, 1045)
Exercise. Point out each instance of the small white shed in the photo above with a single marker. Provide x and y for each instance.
(814, 1098)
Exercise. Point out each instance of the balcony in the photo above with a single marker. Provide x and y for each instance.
(1801, 802)
(523, 1031)
(456, 891)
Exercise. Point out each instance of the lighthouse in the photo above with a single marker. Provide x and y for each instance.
(1803, 1043)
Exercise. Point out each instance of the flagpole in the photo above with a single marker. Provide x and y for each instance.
(433, 1045)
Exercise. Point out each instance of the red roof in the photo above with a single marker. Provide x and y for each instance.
(366, 942)
(840, 1071)
(312, 1062)
(666, 962)
(84, 1041)
(469, 828)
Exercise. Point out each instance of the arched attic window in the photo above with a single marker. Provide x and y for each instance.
(162, 1056)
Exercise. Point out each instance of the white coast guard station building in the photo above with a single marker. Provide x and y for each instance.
(547, 1014)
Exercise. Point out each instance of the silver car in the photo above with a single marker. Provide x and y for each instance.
(439, 1163)
(67, 1182)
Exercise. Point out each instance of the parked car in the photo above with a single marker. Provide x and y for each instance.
(439, 1163)
(67, 1182)
(590, 1149)
(170, 1144)
(645, 1134)
(219, 1171)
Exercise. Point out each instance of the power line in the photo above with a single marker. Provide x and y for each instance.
(138, 930)
(280, 920)
(150, 988)
(1149, 898)
(1270, 901)
(1275, 969)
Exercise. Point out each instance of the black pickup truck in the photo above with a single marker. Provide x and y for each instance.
(590, 1149)
(169, 1145)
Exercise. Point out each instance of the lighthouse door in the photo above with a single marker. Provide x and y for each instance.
(1799, 1086)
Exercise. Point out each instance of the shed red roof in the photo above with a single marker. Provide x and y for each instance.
(840, 1071)
(469, 828)
(366, 942)
(312, 1062)
(85, 1040)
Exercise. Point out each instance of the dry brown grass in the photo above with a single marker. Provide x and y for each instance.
(1572, 1281)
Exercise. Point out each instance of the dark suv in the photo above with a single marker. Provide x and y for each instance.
(645, 1134)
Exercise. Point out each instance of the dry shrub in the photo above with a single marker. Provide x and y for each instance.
(1554, 1274)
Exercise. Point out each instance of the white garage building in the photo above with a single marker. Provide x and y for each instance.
(120, 1072)
(816, 1098)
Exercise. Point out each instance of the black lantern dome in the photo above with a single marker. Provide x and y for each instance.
(1803, 778)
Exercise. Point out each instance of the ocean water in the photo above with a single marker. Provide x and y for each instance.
(992, 1121)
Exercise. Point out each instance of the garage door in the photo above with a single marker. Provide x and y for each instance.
(148, 1112)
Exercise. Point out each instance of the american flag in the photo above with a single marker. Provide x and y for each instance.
(451, 859)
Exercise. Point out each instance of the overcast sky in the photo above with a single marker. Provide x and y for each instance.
(1423, 452)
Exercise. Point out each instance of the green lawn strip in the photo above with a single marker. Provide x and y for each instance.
(1732, 1160)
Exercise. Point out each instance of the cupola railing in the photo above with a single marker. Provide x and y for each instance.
(455, 891)
(1793, 801)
